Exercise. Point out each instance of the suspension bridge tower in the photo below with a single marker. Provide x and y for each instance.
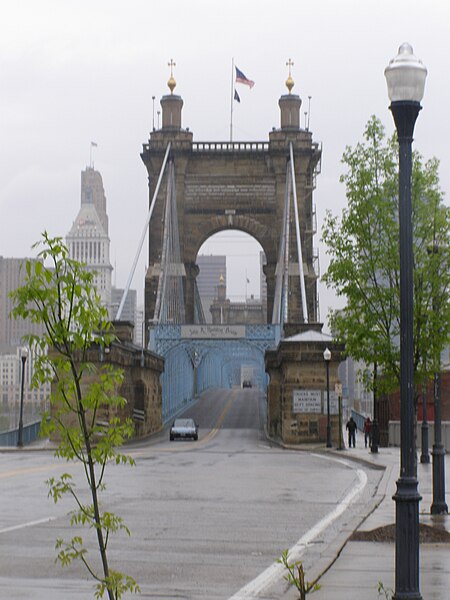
(263, 188)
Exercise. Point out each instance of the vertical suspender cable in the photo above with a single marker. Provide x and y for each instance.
(276, 312)
(158, 316)
(287, 240)
(141, 242)
(299, 241)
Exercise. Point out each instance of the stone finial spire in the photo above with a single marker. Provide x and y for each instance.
(289, 81)
(171, 83)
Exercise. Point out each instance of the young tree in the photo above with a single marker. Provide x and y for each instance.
(364, 265)
(84, 415)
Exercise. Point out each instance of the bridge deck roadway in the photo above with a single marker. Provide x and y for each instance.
(206, 517)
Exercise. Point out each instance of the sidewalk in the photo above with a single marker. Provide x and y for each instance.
(361, 565)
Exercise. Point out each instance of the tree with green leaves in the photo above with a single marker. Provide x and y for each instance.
(363, 245)
(85, 407)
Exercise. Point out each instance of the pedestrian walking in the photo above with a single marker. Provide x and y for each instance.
(351, 428)
(367, 432)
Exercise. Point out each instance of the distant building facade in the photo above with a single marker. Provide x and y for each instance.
(212, 268)
(130, 311)
(88, 240)
(355, 394)
(225, 312)
(12, 332)
(35, 399)
(12, 276)
(262, 280)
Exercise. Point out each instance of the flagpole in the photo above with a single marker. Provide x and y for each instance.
(232, 99)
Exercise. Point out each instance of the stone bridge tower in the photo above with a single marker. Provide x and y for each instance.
(236, 185)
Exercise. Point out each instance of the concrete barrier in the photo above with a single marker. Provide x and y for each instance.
(394, 434)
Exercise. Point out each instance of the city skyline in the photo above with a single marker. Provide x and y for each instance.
(96, 74)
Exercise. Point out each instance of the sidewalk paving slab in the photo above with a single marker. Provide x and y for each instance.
(359, 566)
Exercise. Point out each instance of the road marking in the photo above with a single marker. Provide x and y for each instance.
(276, 571)
(201, 442)
(28, 470)
(29, 524)
(211, 434)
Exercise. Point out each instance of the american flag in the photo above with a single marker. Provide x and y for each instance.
(241, 78)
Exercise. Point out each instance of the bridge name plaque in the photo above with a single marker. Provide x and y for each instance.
(213, 332)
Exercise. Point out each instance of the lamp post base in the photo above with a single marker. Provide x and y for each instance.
(407, 500)
(439, 506)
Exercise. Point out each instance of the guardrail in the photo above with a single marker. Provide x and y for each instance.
(30, 433)
(359, 419)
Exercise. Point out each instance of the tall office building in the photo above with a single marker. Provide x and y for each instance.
(212, 268)
(88, 239)
(12, 331)
(12, 275)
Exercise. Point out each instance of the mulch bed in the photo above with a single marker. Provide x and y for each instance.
(427, 535)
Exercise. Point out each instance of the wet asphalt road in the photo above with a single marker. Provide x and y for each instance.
(205, 517)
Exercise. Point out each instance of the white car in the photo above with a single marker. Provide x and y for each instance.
(184, 428)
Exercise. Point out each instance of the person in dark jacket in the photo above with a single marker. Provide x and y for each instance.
(351, 428)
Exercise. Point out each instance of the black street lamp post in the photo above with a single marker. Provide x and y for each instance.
(23, 356)
(327, 358)
(439, 506)
(405, 76)
(375, 441)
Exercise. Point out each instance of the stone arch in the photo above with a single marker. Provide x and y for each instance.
(242, 223)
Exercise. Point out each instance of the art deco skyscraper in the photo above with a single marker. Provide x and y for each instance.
(88, 240)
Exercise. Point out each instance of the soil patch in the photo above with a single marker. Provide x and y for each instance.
(427, 535)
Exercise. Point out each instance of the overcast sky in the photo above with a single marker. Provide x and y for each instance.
(72, 72)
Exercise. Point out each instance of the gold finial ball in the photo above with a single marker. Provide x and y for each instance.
(290, 83)
(171, 84)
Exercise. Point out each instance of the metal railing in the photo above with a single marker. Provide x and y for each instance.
(230, 147)
(30, 433)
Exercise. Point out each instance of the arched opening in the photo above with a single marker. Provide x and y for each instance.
(231, 281)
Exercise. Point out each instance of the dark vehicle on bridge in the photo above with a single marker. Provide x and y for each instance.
(183, 429)
(246, 383)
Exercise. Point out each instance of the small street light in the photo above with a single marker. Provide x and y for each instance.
(23, 357)
(327, 358)
(405, 77)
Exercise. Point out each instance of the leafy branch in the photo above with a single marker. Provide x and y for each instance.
(85, 416)
(296, 576)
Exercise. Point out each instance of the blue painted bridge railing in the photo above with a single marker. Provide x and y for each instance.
(30, 433)
(198, 357)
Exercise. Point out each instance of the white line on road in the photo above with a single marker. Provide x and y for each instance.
(29, 524)
(252, 590)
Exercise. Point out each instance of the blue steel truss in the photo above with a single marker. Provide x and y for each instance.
(192, 365)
